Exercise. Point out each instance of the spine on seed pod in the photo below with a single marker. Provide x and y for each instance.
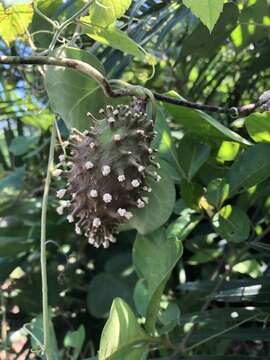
(107, 170)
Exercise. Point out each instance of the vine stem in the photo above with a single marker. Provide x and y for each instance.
(66, 23)
(43, 259)
(131, 90)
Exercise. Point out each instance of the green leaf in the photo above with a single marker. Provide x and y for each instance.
(217, 192)
(258, 126)
(119, 264)
(154, 257)
(232, 224)
(204, 256)
(192, 154)
(71, 93)
(170, 318)
(160, 207)
(42, 120)
(141, 297)
(37, 330)
(14, 21)
(251, 168)
(177, 231)
(13, 245)
(7, 265)
(165, 144)
(191, 193)
(203, 44)
(227, 151)
(250, 267)
(122, 333)
(105, 12)
(184, 224)
(10, 185)
(75, 339)
(199, 123)
(115, 38)
(248, 31)
(101, 292)
(208, 11)
(21, 144)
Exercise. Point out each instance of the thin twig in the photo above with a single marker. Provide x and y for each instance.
(222, 332)
(233, 111)
(131, 90)
(43, 259)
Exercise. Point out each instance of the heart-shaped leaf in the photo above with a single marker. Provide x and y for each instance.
(208, 11)
(232, 224)
(105, 12)
(154, 257)
(159, 208)
(71, 93)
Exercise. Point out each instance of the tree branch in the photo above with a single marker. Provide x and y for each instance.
(233, 111)
(79, 65)
(132, 90)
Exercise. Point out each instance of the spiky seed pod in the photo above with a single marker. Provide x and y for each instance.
(107, 169)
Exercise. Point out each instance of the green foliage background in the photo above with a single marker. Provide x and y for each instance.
(189, 278)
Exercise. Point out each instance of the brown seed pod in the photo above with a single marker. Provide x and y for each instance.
(108, 166)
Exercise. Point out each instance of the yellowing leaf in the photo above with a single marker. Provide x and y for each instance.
(122, 336)
(14, 21)
(106, 12)
(208, 11)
